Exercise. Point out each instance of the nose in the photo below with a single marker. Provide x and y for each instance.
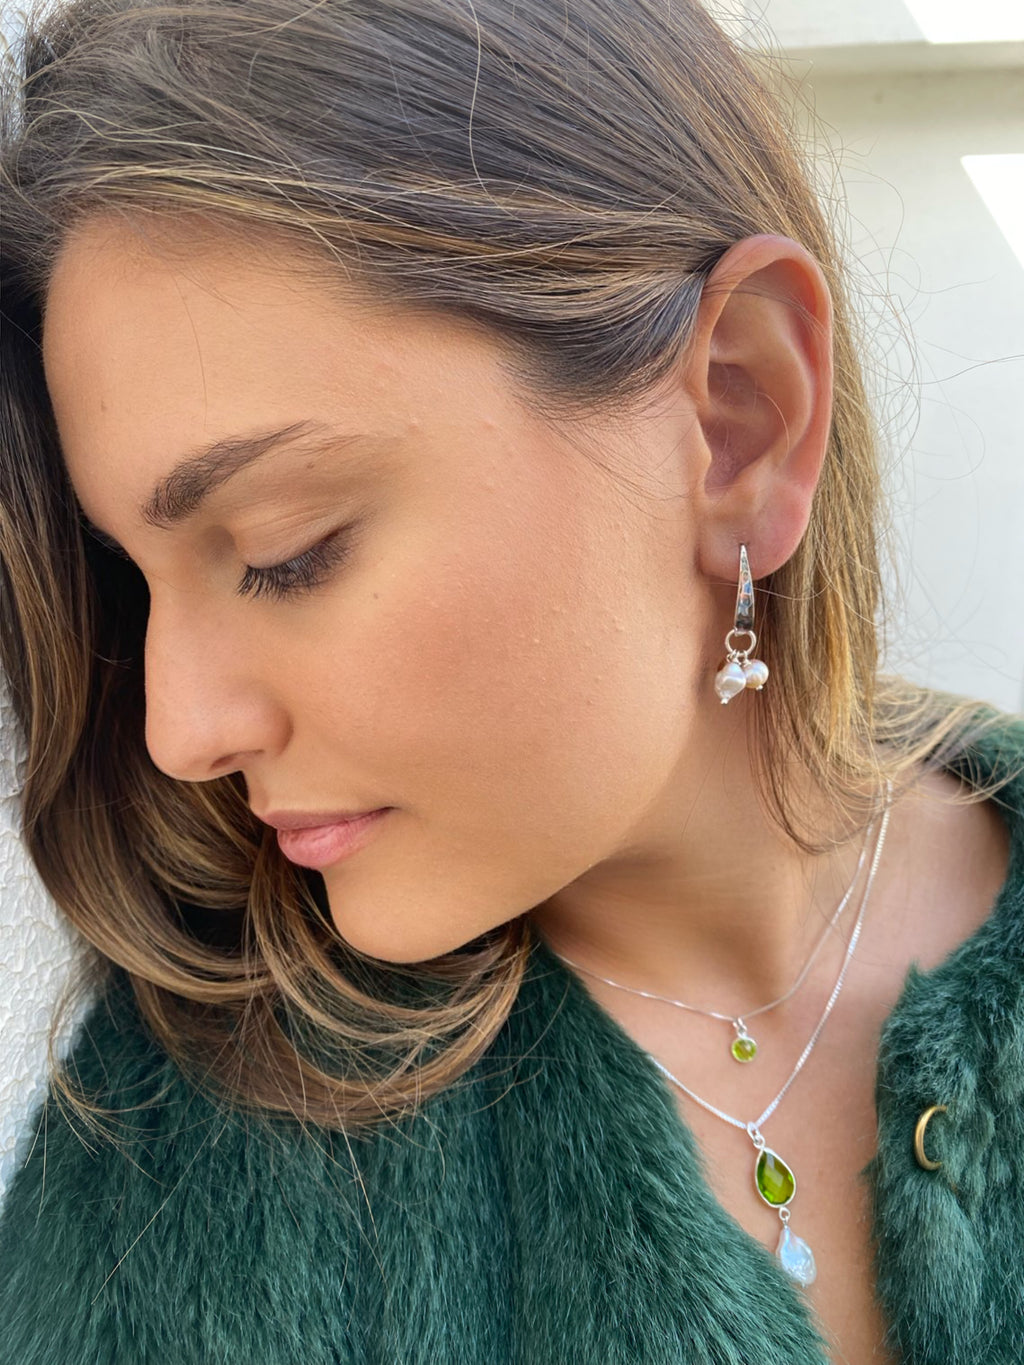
(210, 706)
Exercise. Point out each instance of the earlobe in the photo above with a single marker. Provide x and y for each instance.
(760, 377)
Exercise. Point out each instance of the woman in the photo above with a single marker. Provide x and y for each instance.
(440, 508)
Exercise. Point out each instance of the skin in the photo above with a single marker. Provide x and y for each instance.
(517, 654)
(516, 649)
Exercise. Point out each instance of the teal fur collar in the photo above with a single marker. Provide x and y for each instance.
(546, 1210)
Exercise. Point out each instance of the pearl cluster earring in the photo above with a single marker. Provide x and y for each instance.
(740, 671)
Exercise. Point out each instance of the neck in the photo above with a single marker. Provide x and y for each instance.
(707, 899)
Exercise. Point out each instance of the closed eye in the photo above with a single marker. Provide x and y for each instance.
(301, 574)
(294, 576)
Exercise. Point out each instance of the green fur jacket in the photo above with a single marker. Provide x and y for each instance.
(549, 1209)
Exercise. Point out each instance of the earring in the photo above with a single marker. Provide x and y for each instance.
(740, 671)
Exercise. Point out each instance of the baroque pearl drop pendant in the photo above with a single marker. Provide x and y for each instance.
(740, 671)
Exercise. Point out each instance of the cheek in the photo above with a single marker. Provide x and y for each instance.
(522, 637)
(525, 661)
(521, 706)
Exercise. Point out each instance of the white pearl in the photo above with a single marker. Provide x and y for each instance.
(796, 1257)
(756, 673)
(729, 682)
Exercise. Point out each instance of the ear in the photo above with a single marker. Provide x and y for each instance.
(759, 374)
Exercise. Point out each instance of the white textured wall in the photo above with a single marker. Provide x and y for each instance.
(37, 953)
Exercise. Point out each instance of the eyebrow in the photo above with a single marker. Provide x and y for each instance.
(180, 494)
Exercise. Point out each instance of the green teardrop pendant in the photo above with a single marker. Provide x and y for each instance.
(775, 1182)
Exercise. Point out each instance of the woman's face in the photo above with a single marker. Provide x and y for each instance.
(497, 638)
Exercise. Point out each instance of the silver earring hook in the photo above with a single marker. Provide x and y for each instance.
(745, 596)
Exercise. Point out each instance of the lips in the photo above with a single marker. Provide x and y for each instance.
(320, 845)
(303, 819)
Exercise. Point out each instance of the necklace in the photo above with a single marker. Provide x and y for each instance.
(743, 1047)
(774, 1180)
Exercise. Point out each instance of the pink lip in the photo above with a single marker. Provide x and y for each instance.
(319, 846)
(309, 819)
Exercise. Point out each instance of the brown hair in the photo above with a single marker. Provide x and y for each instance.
(566, 175)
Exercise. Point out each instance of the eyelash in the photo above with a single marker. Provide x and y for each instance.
(278, 581)
(301, 574)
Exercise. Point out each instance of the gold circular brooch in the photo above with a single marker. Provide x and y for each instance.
(919, 1131)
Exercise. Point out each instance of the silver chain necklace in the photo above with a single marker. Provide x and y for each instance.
(774, 1180)
(743, 1047)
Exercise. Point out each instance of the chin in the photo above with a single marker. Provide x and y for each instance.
(389, 941)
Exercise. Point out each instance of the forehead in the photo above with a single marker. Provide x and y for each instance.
(149, 353)
(141, 346)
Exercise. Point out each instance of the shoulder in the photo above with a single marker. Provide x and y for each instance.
(958, 867)
(988, 756)
(953, 1047)
(957, 835)
(156, 1174)
(983, 839)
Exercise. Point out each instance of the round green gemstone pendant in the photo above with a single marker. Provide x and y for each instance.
(774, 1181)
(744, 1049)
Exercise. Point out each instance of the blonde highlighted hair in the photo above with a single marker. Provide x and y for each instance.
(565, 175)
